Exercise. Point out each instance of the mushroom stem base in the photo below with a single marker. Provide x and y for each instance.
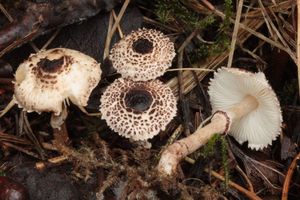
(174, 153)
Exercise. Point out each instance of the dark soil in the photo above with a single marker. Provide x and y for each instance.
(103, 165)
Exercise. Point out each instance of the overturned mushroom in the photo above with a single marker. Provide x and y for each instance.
(244, 105)
(48, 79)
(143, 55)
(138, 110)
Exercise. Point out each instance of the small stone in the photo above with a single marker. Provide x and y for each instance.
(11, 190)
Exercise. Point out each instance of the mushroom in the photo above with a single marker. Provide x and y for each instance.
(243, 104)
(143, 55)
(138, 109)
(48, 79)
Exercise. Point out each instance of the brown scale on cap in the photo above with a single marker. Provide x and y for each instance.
(48, 78)
(143, 55)
(138, 110)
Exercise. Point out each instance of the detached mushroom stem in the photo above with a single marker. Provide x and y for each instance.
(220, 123)
(244, 106)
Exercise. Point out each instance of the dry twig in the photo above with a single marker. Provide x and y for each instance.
(42, 17)
(11, 19)
(298, 42)
(111, 31)
(245, 177)
(249, 194)
(288, 178)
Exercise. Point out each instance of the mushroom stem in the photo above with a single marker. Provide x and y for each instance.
(8, 107)
(248, 104)
(87, 113)
(220, 123)
(58, 120)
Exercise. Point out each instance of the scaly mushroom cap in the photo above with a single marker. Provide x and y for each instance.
(138, 110)
(50, 77)
(143, 55)
(259, 127)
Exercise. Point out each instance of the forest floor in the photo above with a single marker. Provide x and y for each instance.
(94, 162)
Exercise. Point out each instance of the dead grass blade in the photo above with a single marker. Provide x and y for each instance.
(298, 42)
(111, 31)
(118, 27)
(248, 27)
(11, 19)
(23, 150)
(235, 32)
(249, 194)
(108, 36)
(4, 137)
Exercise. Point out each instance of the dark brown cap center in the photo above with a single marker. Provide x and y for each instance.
(51, 66)
(142, 46)
(138, 100)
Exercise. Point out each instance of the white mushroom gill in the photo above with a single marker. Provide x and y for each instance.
(261, 126)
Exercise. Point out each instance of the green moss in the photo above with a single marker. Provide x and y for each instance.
(174, 11)
(222, 43)
(215, 144)
(224, 154)
(289, 91)
(228, 13)
(209, 149)
(163, 12)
